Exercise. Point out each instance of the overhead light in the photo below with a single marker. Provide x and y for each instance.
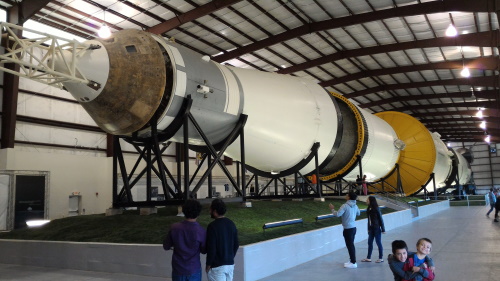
(465, 72)
(487, 139)
(448, 144)
(451, 31)
(483, 125)
(104, 31)
(479, 113)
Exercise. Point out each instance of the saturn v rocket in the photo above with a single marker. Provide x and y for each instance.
(144, 78)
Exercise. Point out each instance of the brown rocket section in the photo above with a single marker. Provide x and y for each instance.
(135, 85)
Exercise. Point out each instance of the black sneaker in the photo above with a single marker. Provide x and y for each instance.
(495, 220)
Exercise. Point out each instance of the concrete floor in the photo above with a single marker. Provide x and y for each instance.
(466, 246)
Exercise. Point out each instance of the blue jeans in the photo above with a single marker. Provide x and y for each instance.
(349, 242)
(221, 273)
(492, 207)
(377, 234)
(193, 277)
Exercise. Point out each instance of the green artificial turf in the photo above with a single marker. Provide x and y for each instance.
(133, 228)
(455, 203)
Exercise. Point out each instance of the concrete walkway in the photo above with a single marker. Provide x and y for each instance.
(466, 246)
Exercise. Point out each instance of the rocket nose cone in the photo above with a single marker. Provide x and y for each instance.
(132, 74)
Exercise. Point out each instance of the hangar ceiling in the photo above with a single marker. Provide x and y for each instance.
(382, 54)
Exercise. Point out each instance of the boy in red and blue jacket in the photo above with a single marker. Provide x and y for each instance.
(402, 264)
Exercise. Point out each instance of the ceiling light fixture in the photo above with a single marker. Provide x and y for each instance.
(487, 139)
(465, 72)
(479, 113)
(451, 31)
(483, 125)
(104, 31)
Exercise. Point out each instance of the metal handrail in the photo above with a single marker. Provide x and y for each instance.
(392, 198)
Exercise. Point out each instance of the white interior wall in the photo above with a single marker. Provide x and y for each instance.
(91, 176)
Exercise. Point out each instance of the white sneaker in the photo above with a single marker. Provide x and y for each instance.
(346, 263)
(351, 265)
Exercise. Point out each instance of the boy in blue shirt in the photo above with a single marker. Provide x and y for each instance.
(348, 212)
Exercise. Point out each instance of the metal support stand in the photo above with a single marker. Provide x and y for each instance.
(424, 187)
(124, 197)
(318, 181)
(151, 146)
(360, 165)
(399, 184)
(288, 191)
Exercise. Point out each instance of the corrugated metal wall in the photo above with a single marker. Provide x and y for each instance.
(486, 164)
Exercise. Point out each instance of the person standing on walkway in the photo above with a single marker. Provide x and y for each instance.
(188, 239)
(492, 196)
(375, 229)
(497, 208)
(364, 184)
(359, 183)
(222, 244)
(348, 212)
(314, 182)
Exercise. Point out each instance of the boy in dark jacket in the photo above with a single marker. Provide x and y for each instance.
(402, 266)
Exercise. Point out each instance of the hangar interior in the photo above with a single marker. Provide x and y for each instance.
(380, 55)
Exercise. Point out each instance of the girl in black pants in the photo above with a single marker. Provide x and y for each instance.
(375, 229)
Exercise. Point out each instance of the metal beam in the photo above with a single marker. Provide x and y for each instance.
(405, 11)
(474, 131)
(462, 119)
(59, 124)
(484, 104)
(485, 94)
(191, 15)
(480, 39)
(467, 133)
(61, 27)
(84, 15)
(28, 8)
(10, 90)
(485, 81)
(487, 112)
(482, 63)
(469, 139)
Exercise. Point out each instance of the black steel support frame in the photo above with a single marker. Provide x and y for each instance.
(288, 191)
(152, 145)
(424, 187)
(340, 188)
